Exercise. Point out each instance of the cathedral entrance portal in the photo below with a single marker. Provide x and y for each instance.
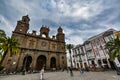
(27, 62)
(41, 62)
(53, 63)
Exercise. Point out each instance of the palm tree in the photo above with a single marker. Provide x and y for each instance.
(8, 45)
(69, 47)
(2, 34)
(0, 55)
(114, 48)
(2, 38)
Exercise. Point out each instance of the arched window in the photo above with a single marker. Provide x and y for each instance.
(43, 35)
(53, 62)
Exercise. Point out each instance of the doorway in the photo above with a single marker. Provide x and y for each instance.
(41, 62)
(27, 62)
(53, 63)
(112, 64)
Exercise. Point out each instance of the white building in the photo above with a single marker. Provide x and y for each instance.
(92, 53)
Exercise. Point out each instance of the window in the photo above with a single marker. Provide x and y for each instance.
(43, 35)
(63, 62)
(31, 43)
(107, 51)
(97, 53)
(53, 46)
(97, 42)
(20, 30)
(110, 37)
(118, 58)
(62, 57)
(43, 44)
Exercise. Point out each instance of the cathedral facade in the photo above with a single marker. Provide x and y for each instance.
(37, 51)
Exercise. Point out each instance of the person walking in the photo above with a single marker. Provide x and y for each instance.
(41, 73)
(67, 70)
(71, 73)
(82, 70)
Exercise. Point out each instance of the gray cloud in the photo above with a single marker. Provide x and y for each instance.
(80, 19)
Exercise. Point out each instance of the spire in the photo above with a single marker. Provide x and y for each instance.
(26, 19)
(60, 30)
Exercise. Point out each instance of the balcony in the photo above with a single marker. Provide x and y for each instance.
(77, 55)
(91, 57)
(82, 53)
(88, 48)
(80, 60)
(74, 61)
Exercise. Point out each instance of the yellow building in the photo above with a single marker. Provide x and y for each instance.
(117, 34)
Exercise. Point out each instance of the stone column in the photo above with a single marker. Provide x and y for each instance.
(20, 64)
(48, 61)
(96, 62)
(57, 61)
(101, 61)
(34, 62)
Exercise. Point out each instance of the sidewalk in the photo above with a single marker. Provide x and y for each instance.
(109, 75)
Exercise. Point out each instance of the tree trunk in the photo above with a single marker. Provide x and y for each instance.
(70, 58)
(4, 55)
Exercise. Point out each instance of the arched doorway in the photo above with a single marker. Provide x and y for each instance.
(27, 62)
(78, 65)
(118, 57)
(112, 64)
(41, 62)
(93, 64)
(100, 63)
(53, 63)
(105, 63)
(85, 64)
(81, 66)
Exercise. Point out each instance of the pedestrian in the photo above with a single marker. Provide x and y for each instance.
(63, 69)
(71, 73)
(67, 70)
(41, 73)
(23, 72)
(82, 70)
(87, 69)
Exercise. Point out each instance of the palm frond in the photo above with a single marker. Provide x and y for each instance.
(114, 48)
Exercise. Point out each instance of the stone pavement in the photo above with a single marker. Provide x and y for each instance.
(108, 75)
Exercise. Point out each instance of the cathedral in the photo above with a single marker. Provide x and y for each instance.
(37, 51)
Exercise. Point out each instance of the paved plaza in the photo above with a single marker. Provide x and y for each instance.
(108, 75)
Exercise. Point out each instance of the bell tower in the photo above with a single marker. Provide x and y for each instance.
(22, 25)
(60, 35)
(44, 31)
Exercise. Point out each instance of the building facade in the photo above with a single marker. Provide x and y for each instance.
(37, 51)
(93, 53)
(79, 56)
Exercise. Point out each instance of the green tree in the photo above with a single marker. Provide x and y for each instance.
(114, 48)
(2, 39)
(69, 47)
(8, 46)
(0, 55)
(2, 36)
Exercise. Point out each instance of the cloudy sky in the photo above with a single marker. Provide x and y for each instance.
(80, 19)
